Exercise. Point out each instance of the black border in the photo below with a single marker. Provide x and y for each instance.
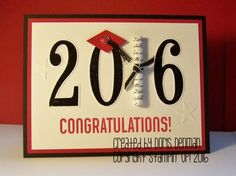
(25, 86)
(178, 17)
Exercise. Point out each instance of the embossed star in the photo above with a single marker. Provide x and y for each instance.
(41, 69)
(187, 113)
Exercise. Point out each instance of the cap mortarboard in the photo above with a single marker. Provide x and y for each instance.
(101, 40)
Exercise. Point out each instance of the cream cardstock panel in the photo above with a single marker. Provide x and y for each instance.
(185, 113)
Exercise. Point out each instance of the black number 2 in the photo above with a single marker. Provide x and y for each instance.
(55, 60)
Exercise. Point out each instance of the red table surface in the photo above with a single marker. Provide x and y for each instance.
(221, 47)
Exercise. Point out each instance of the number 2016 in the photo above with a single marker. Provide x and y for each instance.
(159, 71)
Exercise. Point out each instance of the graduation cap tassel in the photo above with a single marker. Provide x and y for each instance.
(125, 56)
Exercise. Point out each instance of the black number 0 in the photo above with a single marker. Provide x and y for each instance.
(55, 60)
(118, 73)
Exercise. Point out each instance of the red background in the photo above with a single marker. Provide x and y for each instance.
(221, 47)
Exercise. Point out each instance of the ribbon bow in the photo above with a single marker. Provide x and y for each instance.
(136, 69)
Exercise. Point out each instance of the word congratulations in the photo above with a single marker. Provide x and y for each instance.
(114, 125)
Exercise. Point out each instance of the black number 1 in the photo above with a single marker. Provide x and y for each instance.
(55, 60)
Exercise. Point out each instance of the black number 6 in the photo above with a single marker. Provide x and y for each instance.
(159, 71)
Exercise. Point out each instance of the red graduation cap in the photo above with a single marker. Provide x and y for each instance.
(101, 40)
